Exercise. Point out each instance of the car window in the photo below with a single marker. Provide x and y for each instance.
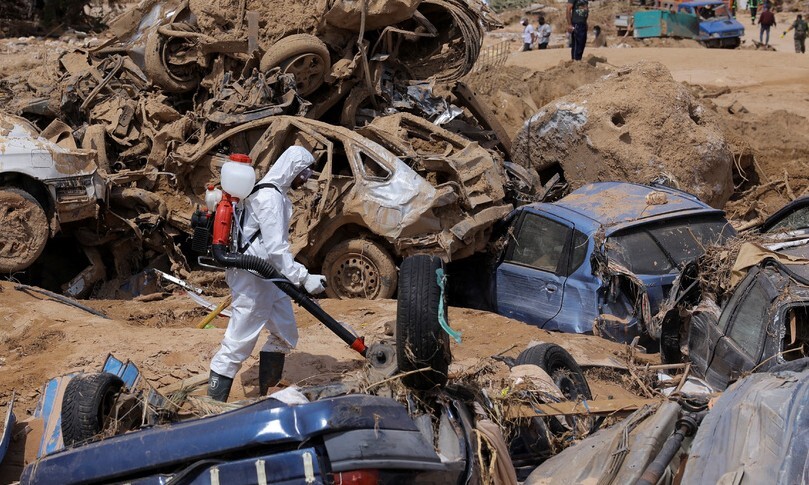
(539, 243)
(660, 247)
(687, 242)
(639, 253)
(748, 323)
(372, 168)
(579, 250)
(794, 221)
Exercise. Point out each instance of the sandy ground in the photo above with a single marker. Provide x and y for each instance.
(762, 81)
(41, 338)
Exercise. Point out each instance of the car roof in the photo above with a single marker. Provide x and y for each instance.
(616, 205)
(701, 4)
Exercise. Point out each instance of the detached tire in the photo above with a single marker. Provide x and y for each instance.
(562, 368)
(25, 230)
(420, 340)
(179, 79)
(88, 401)
(303, 55)
(359, 268)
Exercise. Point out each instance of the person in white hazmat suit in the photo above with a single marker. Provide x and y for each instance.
(258, 303)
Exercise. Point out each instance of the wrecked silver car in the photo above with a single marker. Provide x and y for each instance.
(407, 186)
(45, 183)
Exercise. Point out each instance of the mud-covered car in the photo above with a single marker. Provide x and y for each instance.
(45, 183)
(397, 187)
(601, 259)
(336, 49)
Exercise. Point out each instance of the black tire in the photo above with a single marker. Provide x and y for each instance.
(304, 55)
(169, 78)
(88, 401)
(359, 268)
(562, 368)
(25, 230)
(420, 340)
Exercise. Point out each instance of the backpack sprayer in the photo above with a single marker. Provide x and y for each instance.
(213, 234)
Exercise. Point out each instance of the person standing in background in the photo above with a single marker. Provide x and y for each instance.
(801, 30)
(528, 35)
(752, 5)
(765, 21)
(544, 33)
(577, 13)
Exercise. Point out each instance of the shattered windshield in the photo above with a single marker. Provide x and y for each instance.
(661, 247)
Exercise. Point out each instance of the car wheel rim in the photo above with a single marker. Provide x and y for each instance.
(356, 276)
(176, 60)
(309, 70)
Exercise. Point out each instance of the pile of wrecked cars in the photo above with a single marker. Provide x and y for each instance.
(178, 87)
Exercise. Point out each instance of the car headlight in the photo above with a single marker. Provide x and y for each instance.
(715, 35)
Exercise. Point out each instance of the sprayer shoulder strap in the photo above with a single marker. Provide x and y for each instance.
(256, 188)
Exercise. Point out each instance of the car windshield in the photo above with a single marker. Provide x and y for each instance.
(660, 248)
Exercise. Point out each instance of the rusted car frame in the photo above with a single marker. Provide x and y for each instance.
(372, 204)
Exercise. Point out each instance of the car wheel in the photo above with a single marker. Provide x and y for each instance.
(88, 402)
(172, 77)
(569, 378)
(420, 341)
(24, 231)
(359, 268)
(303, 55)
(562, 368)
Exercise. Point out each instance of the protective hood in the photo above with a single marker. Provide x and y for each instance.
(287, 167)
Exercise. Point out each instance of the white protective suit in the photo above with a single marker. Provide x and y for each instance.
(258, 303)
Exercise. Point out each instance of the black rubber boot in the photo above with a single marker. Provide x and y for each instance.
(270, 368)
(219, 387)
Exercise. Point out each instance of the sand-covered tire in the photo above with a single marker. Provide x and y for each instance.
(357, 102)
(24, 232)
(562, 368)
(171, 79)
(87, 403)
(303, 55)
(420, 341)
(359, 268)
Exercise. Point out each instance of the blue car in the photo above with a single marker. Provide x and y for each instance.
(717, 26)
(601, 259)
(356, 438)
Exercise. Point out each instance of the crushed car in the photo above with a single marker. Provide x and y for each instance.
(47, 185)
(397, 187)
(756, 320)
(600, 260)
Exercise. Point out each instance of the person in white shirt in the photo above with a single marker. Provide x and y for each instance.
(528, 35)
(544, 33)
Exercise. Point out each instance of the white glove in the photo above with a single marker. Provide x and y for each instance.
(314, 283)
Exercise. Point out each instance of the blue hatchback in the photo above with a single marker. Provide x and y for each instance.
(601, 259)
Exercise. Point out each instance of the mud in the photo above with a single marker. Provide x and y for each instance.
(636, 125)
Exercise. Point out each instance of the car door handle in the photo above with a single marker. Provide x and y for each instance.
(550, 288)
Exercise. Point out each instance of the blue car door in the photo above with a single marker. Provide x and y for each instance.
(530, 281)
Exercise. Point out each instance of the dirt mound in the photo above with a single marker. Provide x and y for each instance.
(635, 125)
(515, 93)
(772, 161)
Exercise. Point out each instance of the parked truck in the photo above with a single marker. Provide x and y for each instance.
(708, 21)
